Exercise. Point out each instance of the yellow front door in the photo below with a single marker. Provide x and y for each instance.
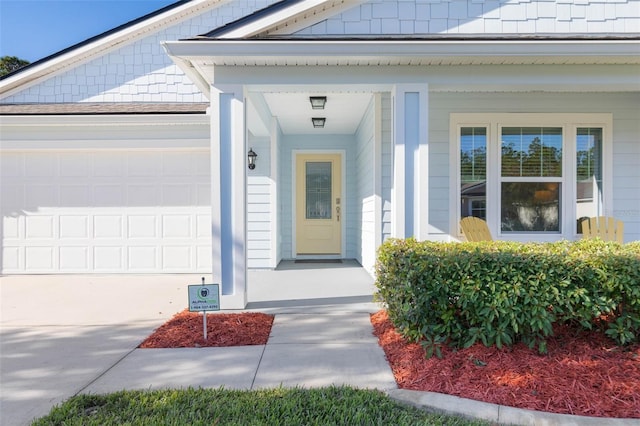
(318, 204)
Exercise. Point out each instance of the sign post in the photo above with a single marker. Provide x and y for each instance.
(203, 298)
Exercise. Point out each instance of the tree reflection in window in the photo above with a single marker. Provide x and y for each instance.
(473, 172)
(531, 174)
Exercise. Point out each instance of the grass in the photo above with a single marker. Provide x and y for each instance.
(280, 406)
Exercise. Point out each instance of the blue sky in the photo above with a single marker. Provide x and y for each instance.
(34, 29)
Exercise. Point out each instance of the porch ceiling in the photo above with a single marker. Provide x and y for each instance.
(343, 111)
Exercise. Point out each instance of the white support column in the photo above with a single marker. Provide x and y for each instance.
(228, 195)
(377, 172)
(274, 146)
(410, 196)
(398, 187)
(421, 188)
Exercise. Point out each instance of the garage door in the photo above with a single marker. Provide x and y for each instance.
(143, 211)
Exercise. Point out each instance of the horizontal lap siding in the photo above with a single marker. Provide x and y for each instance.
(626, 146)
(387, 165)
(260, 212)
(365, 232)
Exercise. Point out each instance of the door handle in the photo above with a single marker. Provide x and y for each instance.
(338, 213)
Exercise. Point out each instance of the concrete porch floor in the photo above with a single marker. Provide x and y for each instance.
(294, 284)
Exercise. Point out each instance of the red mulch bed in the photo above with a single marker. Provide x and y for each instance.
(583, 373)
(184, 330)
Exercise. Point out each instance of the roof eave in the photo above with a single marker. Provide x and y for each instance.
(618, 51)
(100, 44)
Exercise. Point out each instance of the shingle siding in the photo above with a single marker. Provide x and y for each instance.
(138, 72)
(483, 17)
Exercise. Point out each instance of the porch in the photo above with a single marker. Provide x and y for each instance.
(294, 284)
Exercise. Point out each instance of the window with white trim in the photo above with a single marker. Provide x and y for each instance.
(530, 176)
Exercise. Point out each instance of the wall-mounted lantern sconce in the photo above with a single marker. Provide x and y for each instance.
(318, 102)
(251, 156)
(318, 122)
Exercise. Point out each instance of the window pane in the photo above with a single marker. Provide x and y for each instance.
(531, 151)
(473, 171)
(588, 173)
(530, 207)
(318, 196)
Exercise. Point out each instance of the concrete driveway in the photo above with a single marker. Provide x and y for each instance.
(60, 333)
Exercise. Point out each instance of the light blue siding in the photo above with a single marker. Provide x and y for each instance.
(377, 17)
(387, 164)
(260, 212)
(365, 196)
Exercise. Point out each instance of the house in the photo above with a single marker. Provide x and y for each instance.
(128, 153)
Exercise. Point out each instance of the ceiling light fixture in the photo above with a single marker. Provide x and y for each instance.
(318, 122)
(318, 102)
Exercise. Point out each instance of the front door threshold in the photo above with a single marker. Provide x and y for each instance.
(318, 256)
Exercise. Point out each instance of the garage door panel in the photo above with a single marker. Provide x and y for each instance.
(142, 195)
(11, 258)
(144, 164)
(204, 259)
(74, 227)
(108, 258)
(178, 164)
(38, 227)
(177, 195)
(41, 165)
(141, 226)
(176, 226)
(75, 164)
(107, 226)
(142, 258)
(12, 199)
(39, 259)
(176, 258)
(109, 164)
(11, 227)
(12, 165)
(74, 259)
(203, 226)
(108, 195)
(74, 195)
(41, 196)
(106, 212)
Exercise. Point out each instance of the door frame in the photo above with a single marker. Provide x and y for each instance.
(343, 228)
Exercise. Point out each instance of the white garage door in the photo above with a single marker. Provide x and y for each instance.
(143, 211)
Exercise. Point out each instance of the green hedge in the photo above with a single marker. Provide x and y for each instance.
(500, 292)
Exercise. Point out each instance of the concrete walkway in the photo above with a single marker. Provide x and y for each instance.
(303, 350)
(65, 335)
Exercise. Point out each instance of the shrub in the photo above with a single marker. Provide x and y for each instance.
(499, 292)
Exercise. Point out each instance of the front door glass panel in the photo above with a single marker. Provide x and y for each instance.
(318, 190)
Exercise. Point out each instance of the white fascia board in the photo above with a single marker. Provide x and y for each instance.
(100, 46)
(217, 50)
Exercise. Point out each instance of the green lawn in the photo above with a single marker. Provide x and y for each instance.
(281, 406)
